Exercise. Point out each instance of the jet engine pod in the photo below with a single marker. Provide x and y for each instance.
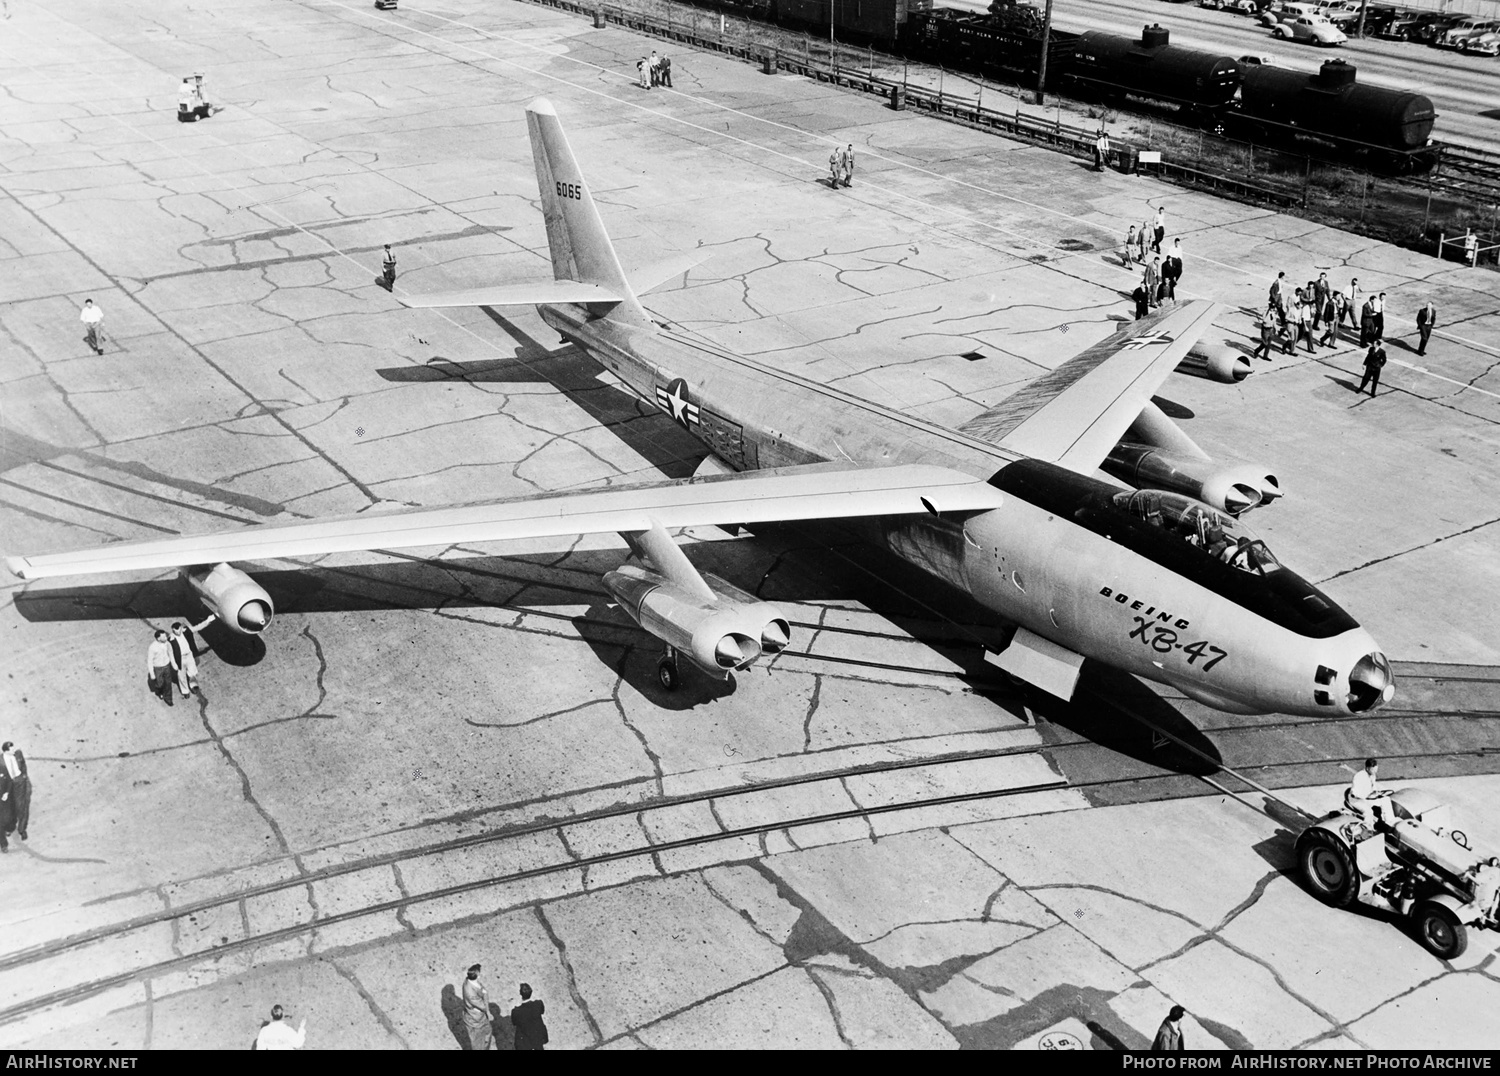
(1216, 363)
(717, 636)
(1230, 487)
(240, 603)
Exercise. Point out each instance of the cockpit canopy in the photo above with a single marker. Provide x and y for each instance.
(1217, 534)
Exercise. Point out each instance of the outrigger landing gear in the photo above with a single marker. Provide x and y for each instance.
(666, 670)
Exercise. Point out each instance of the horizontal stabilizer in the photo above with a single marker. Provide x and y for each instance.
(543, 291)
(812, 491)
(650, 277)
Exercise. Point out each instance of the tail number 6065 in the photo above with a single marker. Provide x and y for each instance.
(569, 190)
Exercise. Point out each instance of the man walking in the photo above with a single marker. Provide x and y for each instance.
(526, 1018)
(7, 815)
(1161, 227)
(159, 668)
(1277, 297)
(1151, 280)
(1267, 333)
(278, 1034)
(1101, 150)
(1380, 318)
(1169, 1035)
(388, 269)
(1351, 304)
(477, 1011)
(1367, 322)
(1141, 307)
(1426, 319)
(654, 66)
(1128, 258)
(666, 71)
(1374, 360)
(93, 326)
(1143, 239)
(835, 166)
(1171, 269)
(14, 764)
(848, 163)
(182, 653)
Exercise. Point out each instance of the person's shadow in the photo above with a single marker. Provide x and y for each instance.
(453, 1012)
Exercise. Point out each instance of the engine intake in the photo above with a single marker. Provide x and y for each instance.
(238, 601)
(1230, 487)
(730, 632)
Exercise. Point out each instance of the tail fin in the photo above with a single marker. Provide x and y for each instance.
(581, 251)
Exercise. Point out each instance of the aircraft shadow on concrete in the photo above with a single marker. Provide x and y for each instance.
(641, 427)
(813, 562)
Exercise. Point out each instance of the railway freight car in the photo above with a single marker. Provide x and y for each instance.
(1001, 49)
(1333, 106)
(1198, 83)
(873, 22)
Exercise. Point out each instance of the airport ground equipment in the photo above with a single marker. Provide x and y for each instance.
(1411, 862)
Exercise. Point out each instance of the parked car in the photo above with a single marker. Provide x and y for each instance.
(1485, 44)
(1275, 16)
(1376, 20)
(1256, 60)
(1417, 26)
(1459, 32)
(1311, 30)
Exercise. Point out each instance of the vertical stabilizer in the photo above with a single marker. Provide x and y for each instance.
(581, 251)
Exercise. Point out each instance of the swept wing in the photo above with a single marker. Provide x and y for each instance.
(815, 491)
(1075, 414)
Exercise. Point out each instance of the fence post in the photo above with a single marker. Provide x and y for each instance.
(1306, 179)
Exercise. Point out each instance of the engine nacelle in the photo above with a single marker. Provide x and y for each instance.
(240, 603)
(717, 636)
(1230, 487)
(1216, 363)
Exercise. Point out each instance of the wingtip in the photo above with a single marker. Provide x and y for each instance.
(16, 566)
(542, 107)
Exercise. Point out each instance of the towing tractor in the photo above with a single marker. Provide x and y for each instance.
(1411, 861)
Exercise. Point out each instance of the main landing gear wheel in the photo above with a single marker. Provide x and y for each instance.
(1327, 867)
(1439, 930)
(666, 671)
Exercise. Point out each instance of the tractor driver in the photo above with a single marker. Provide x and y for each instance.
(1363, 792)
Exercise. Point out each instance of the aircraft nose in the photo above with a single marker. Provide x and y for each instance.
(1371, 683)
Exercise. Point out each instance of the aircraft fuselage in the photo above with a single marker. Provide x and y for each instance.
(1058, 558)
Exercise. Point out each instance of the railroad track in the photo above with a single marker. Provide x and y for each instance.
(35, 978)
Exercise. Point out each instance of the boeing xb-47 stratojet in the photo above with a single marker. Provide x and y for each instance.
(1075, 509)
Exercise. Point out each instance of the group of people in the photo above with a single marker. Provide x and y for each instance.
(525, 1018)
(15, 794)
(654, 71)
(192, 100)
(1161, 271)
(172, 659)
(841, 167)
(1318, 311)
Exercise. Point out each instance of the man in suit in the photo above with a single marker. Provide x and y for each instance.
(6, 814)
(1374, 360)
(18, 783)
(1169, 1035)
(526, 1018)
(1426, 319)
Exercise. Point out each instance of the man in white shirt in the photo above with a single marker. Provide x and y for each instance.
(159, 668)
(1364, 791)
(278, 1034)
(93, 326)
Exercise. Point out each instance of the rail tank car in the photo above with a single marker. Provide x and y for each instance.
(1333, 104)
(1152, 67)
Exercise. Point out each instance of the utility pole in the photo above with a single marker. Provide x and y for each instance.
(1041, 75)
(1363, 4)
